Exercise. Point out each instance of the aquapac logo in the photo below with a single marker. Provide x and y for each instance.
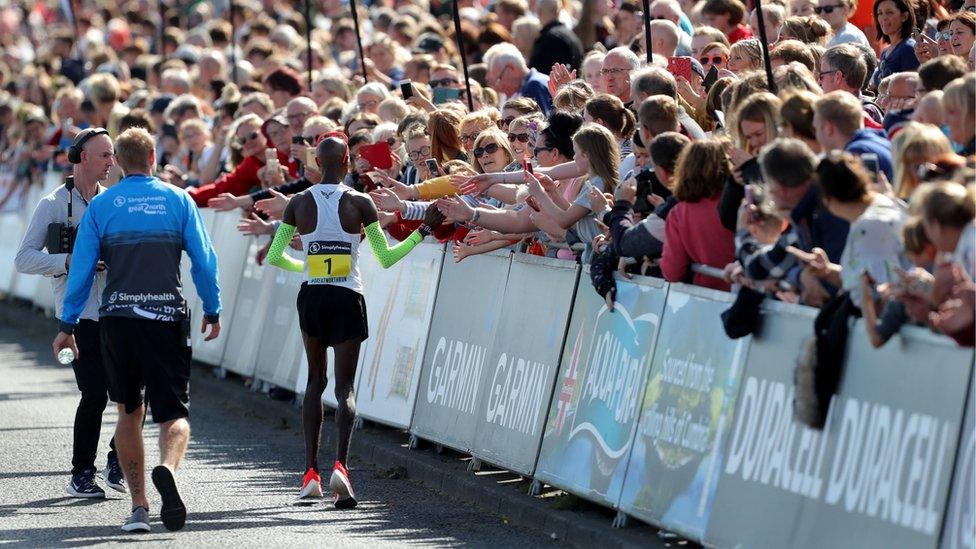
(610, 390)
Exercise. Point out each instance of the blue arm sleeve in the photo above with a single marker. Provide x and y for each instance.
(81, 272)
(203, 259)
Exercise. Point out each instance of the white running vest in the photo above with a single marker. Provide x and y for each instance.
(331, 254)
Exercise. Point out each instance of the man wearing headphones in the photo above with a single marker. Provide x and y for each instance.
(92, 155)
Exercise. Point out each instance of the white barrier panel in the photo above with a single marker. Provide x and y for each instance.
(517, 383)
(231, 248)
(12, 228)
(877, 476)
(278, 356)
(600, 387)
(688, 401)
(399, 302)
(25, 286)
(248, 319)
(466, 314)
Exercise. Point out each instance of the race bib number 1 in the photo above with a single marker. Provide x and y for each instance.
(329, 261)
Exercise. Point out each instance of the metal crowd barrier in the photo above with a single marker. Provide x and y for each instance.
(648, 409)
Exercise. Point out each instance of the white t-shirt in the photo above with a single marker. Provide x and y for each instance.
(965, 253)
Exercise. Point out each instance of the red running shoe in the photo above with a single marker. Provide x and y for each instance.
(342, 494)
(311, 485)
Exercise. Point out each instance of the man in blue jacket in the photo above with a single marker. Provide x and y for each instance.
(838, 122)
(139, 228)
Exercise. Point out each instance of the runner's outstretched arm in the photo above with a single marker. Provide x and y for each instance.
(386, 255)
(277, 256)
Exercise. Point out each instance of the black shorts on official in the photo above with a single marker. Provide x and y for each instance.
(148, 355)
(333, 314)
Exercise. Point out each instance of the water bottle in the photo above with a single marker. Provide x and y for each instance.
(65, 356)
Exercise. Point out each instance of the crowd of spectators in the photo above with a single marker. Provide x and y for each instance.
(851, 174)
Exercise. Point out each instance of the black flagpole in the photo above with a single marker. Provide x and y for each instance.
(765, 48)
(233, 44)
(162, 27)
(647, 32)
(359, 40)
(308, 42)
(464, 58)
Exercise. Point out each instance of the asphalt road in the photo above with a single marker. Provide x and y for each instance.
(239, 479)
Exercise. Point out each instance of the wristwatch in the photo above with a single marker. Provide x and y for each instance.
(477, 214)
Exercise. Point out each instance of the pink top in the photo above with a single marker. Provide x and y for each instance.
(694, 234)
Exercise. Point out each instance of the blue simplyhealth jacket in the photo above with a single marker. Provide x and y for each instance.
(140, 228)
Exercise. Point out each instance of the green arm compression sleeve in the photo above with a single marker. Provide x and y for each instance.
(386, 255)
(276, 255)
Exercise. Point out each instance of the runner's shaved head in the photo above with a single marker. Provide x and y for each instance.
(333, 155)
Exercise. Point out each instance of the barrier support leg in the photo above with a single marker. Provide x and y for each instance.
(220, 372)
(474, 465)
(357, 424)
(535, 488)
(414, 442)
(621, 520)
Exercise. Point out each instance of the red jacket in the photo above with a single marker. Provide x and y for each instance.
(402, 229)
(694, 234)
(741, 32)
(239, 182)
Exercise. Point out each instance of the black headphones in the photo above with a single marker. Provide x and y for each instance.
(74, 151)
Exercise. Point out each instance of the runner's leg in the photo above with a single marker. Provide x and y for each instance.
(312, 403)
(346, 359)
(128, 443)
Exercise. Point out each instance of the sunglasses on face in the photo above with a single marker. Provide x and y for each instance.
(520, 137)
(713, 60)
(443, 82)
(490, 148)
(944, 35)
(423, 152)
(538, 150)
(827, 9)
(250, 137)
(466, 137)
(613, 72)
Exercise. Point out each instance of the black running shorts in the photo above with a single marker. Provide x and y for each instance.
(152, 355)
(333, 314)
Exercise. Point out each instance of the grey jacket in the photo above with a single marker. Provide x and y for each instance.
(31, 259)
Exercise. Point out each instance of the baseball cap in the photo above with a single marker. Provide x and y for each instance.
(429, 42)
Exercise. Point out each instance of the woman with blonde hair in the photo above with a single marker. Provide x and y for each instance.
(522, 133)
(959, 100)
(693, 230)
(755, 123)
(714, 54)
(913, 146)
(744, 56)
(492, 151)
(445, 141)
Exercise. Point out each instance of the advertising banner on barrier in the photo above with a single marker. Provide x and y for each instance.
(517, 381)
(959, 531)
(278, 355)
(688, 402)
(876, 477)
(12, 228)
(466, 314)
(604, 366)
(231, 250)
(399, 301)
